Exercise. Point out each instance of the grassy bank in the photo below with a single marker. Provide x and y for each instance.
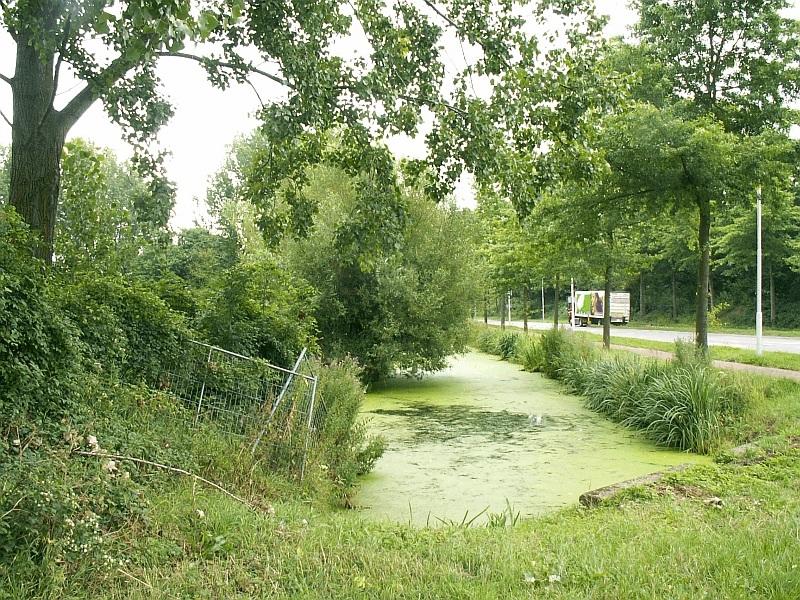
(775, 360)
(727, 530)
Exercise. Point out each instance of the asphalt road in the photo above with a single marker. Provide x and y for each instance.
(771, 343)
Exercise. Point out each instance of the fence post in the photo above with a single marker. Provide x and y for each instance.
(279, 399)
(202, 389)
(308, 427)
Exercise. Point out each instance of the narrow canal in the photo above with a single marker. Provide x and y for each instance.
(482, 434)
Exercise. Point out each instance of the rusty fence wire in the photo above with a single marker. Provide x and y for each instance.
(273, 410)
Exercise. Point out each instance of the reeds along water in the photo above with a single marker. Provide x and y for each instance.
(680, 404)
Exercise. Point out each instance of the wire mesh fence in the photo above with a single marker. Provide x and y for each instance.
(272, 409)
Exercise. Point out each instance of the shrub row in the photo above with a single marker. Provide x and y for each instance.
(683, 403)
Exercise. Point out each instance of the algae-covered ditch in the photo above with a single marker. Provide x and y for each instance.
(483, 435)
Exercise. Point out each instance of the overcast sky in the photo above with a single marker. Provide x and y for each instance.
(207, 120)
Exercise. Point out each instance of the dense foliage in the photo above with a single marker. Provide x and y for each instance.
(399, 307)
(39, 348)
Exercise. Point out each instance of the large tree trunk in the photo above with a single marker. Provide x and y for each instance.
(36, 144)
(641, 295)
(607, 310)
(674, 297)
(710, 286)
(525, 308)
(704, 248)
(555, 303)
(772, 307)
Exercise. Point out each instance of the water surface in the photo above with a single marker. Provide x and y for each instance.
(483, 433)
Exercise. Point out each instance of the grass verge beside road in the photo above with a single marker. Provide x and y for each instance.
(775, 360)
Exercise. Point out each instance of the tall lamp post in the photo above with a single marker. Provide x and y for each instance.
(759, 317)
(572, 303)
(543, 299)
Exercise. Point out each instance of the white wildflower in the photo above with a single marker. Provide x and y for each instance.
(200, 514)
(554, 578)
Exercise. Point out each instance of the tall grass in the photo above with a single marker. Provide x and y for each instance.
(680, 404)
(498, 342)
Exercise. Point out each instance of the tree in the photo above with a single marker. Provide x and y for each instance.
(682, 164)
(107, 212)
(502, 248)
(5, 174)
(396, 304)
(736, 244)
(735, 62)
(322, 89)
(674, 245)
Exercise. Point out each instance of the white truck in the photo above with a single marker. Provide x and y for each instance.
(590, 306)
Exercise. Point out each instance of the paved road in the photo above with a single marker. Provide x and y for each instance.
(772, 343)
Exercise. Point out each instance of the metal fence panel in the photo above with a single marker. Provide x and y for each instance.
(271, 408)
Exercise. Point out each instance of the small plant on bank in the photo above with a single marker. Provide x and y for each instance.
(487, 340)
(507, 344)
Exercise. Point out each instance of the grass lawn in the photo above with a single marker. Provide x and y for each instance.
(777, 360)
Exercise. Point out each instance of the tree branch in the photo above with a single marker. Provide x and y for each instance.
(178, 470)
(5, 118)
(248, 68)
(81, 102)
(57, 70)
(443, 15)
(8, 80)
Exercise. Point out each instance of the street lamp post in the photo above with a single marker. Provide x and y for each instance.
(543, 299)
(572, 303)
(759, 317)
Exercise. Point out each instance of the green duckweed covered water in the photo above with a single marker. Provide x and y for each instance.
(483, 433)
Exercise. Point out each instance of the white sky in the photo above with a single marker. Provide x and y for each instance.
(206, 119)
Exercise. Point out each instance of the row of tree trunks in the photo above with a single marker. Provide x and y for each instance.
(701, 308)
(641, 295)
(555, 302)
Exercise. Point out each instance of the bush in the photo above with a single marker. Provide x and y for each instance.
(39, 349)
(507, 345)
(526, 353)
(125, 327)
(681, 404)
(560, 350)
(487, 340)
(344, 449)
(62, 512)
(259, 310)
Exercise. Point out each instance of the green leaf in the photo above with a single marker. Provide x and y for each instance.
(208, 22)
(101, 26)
